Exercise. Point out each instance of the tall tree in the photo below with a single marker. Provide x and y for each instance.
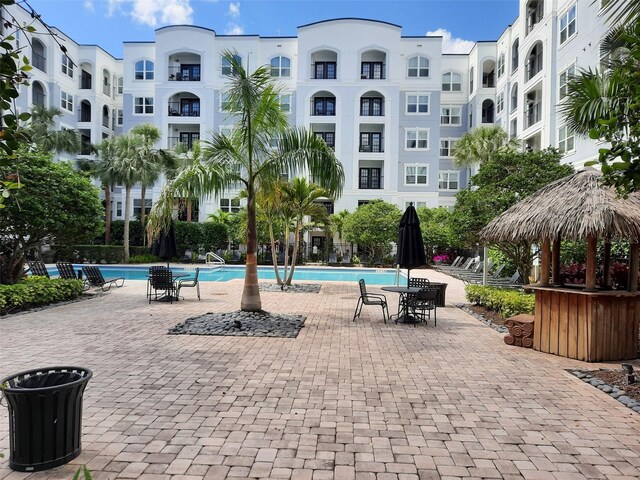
(43, 132)
(127, 170)
(185, 160)
(301, 198)
(374, 227)
(246, 156)
(481, 145)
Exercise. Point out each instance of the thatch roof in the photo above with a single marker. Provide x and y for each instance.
(573, 207)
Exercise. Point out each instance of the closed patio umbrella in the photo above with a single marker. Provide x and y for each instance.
(165, 246)
(410, 244)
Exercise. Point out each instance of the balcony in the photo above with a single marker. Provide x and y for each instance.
(533, 114)
(371, 142)
(329, 138)
(39, 61)
(85, 80)
(370, 178)
(323, 106)
(184, 108)
(186, 139)
(371, 107)
(372, 71)
(184, 73)
(324, 71)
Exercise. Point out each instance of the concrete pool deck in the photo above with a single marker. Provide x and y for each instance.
(342, 401)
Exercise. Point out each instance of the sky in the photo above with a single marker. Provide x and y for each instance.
(108, 23)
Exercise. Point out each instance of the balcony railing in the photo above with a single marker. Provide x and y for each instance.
(105, 121)
(371, 107)
(85, 81)
(324, 71)
(533, 114)
(85, 115)
(106, 89)
(39, 98)
(184, 109)
(187, 141)
(371, 182)
(39, 62)
(323, 108)
(329, 138)
(371, 143)
(372, 71)
(534, 65)
(190, 73)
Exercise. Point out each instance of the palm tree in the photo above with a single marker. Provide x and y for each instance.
(270, 209)
(619, 11)
(128, 171)
(42, 130)
(185, 160)
(481, 144)
(301, 197)
(247, 157)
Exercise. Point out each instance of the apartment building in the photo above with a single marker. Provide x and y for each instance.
(391, 106)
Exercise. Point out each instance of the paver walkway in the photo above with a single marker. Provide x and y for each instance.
(343, 401)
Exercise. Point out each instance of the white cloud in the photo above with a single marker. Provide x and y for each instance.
(451, 44)
(234, 10)
(88, 5)
(154, 12)
(234, 29)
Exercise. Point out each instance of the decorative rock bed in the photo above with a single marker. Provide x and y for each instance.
(297, 288)
(613, 391)
(241, 324)
(486, 321)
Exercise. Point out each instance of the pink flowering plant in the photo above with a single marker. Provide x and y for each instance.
(441, 258)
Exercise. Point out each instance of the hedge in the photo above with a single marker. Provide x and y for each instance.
(34, 291)
(507, 302)
(97, 253)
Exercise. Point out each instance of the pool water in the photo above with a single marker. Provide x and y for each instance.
(230, 272)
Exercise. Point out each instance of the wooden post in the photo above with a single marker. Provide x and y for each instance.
(545, 262)
(592, 253)
(555, 261)
(485, 266)
(633, 267)
(606, 262)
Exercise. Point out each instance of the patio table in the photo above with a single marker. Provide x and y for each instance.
(403, 315)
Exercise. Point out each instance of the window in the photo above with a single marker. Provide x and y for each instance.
(501, 63)
(370, 178)
(144, 70)
(371, 70)
(324, 106)
(415, 204)
(328, 137)
(451, 82)
(280, 67)
(471, 75)
(67, 66)
(417, 102)
(143, 105)
(285, 102)
(446, 146)
(513, 133)
(120, 85)
(226, 64)
(500, 102)
(450, 115)
(371, 107)
(325, 70)
(566, 140)
(565, 77)
(535, 13)
(416, 138)
(418, 67)
(226, 130)
(224, 102)
(514, 98)
(230, 205)
(534, 62)
(416, 175)
(449, 180)
(119, 116)
(118, 209)
(515, 55)
(137, 206)
(371, 142)
(568, 25)
(66, 101)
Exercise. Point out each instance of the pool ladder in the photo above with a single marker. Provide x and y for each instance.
(214, 259)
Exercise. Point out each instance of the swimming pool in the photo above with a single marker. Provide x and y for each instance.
(230, 272)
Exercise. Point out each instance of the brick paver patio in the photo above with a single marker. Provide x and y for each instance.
(343, 401)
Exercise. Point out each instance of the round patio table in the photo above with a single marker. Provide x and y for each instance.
(403, 315)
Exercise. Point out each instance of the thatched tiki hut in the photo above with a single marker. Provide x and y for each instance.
(592, 323)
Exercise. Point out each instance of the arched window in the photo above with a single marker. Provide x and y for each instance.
(85, 111)
(515, 55)
(144, 70)
(501, 62)
(471, 77)
(39, 97)
(535, 12)
(451, 82)
(280, 67)
(488, 110)
(418, 67)
(534, 61)
(514, 97)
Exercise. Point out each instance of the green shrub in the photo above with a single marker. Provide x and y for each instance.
(136, 233)
(506, 301)
(144, 258)
(34, 291)
(97, 253)
(214, 236)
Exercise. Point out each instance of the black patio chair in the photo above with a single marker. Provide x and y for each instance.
(189, 282)
(423, 303)
(153, 268)
(161, 285)
(66, 271)
(38, 268)
(371, 299)
(95, 279)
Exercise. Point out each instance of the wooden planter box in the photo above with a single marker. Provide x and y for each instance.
(589, 326)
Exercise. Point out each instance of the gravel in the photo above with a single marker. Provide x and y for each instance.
(613, 390)
(296, 288)
(242, 324)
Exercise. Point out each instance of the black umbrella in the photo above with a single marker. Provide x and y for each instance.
(410, 244)
(165, 246)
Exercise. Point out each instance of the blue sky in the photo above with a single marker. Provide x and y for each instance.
(110, 22)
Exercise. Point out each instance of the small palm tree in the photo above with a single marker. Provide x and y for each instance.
(247, 157)
(128, 171)
(184, 161)
(105, 170)
(42, 130)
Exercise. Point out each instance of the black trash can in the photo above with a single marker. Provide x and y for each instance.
(45, 416)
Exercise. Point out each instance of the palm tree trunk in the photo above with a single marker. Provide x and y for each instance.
(107, 214)
(286, 249)
(296, 243)
(143, 211)
(188, 211)
(274, 258)
(251, 293)
(127, 219)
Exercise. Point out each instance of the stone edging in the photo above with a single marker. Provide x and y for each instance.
(486, 321)
(614, 392)
(81, 298)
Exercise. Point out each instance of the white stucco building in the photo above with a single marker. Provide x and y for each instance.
(391, 106)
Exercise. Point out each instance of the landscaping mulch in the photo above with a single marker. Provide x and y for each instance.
(619, 379)
(494, 317)
(613, 383)
(295, 288)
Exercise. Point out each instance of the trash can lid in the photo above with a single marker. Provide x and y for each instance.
(45, 379)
